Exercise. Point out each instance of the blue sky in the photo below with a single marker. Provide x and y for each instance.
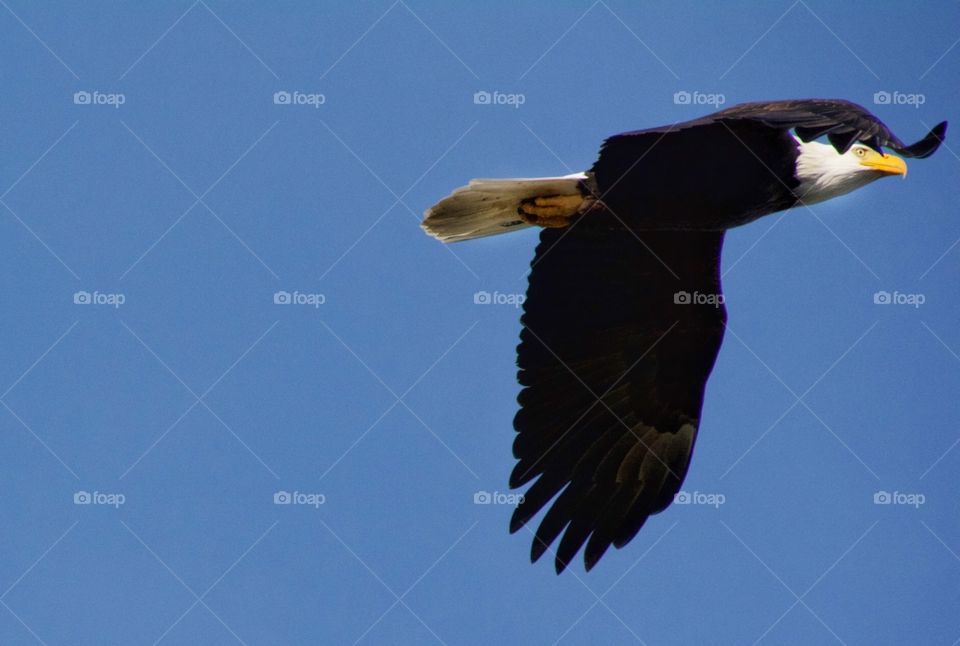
(147, 168)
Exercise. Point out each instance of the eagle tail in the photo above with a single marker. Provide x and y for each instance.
(487, 207)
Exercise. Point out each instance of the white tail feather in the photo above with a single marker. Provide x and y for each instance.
(487, 207)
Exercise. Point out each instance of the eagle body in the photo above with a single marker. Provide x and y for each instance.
(624, 315)
(689, 184)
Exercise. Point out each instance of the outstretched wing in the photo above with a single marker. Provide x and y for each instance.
(620, 332)
(842, 122)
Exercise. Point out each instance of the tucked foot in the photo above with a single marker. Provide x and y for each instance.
(551, 211)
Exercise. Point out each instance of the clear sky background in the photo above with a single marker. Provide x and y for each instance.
(386, 393)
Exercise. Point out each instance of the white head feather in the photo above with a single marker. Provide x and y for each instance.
(824, 173)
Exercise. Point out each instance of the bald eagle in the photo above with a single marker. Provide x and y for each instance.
(624, 313)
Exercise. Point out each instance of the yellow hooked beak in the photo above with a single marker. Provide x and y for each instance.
(883, 163)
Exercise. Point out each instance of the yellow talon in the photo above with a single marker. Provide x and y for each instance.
(551, 211)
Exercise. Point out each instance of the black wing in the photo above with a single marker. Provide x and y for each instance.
(843, 122)
(613, 361)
